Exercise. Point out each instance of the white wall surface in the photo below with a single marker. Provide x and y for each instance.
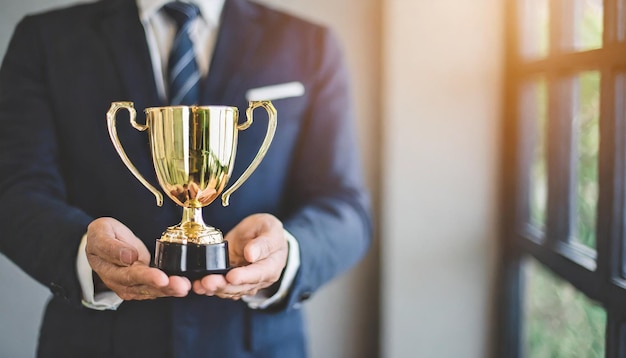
(442, 84)
(22, 299)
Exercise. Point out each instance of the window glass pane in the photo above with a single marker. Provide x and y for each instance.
(587, 24)
(559, 321)
(587, 139)
(534, 114)
(620, 20)
(533, 28)
(620, 113)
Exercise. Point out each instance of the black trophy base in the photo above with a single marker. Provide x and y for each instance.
(191, 260)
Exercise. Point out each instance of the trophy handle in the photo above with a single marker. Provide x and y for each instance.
(271, 129)
(116, 106)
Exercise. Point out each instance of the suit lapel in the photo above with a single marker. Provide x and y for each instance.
(238, 39)
(127, 42)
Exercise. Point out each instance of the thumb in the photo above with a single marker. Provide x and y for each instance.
(112, 241)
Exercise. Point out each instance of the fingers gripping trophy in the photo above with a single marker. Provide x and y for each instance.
(193, 151)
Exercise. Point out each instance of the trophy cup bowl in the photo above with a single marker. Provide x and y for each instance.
(193, 151)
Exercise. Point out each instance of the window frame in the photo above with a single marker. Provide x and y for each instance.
(600, 275)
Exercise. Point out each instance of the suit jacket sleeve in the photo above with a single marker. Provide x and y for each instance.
(331, 216)
(40, 232)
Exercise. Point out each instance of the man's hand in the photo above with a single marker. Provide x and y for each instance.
(122, 262)
(258, 251)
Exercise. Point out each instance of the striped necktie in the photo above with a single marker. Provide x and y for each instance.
(183, 72)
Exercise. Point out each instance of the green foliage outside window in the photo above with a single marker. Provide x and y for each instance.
(560, 322)
(587, 125)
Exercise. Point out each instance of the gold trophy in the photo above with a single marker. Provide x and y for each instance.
(193, 150)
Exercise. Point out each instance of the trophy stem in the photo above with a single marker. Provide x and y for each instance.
(192, 230)
(192, 216)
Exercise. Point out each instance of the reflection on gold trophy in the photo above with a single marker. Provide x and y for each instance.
(193, 150)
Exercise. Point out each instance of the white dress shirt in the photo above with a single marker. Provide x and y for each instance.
(160, 31)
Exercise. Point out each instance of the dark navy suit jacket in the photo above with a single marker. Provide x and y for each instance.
(59, 171)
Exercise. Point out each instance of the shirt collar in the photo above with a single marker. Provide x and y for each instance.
(210, 10)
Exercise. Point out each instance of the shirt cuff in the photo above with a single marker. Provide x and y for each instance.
(261, 300)
(101, 301)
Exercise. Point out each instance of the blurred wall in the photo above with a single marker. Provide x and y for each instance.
(21, 298)
(441, 89)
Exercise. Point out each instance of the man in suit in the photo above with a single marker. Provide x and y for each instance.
(69, 209)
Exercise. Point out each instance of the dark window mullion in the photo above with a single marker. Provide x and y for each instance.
(617, 109)
(612, 19)
(611, 154)
(562, 25)
(611, 179)
(617, 12)
(566, 266)
(509, 302)
(615, 336)
(560, 161)
(611, 55)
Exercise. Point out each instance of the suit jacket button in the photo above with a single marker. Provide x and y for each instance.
(305, 296)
